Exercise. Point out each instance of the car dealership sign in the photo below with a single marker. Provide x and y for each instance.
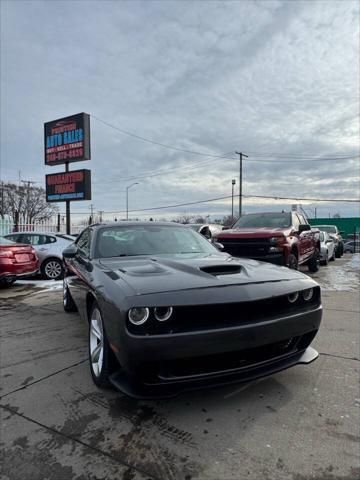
(67, 139)
(68, 186)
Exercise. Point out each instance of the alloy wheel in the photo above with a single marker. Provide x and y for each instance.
(53, 269)
(96, 341)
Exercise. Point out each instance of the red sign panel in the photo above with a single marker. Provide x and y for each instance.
(66, 186)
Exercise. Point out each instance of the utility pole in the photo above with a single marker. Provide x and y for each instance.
(233, 181)
(241, 155)
(127, 198)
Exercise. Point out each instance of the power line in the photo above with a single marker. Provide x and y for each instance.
(209, 200)
(154, 142)
(255, 154)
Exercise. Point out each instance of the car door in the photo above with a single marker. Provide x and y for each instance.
(300, 243)
(81, 266)
(305, 239)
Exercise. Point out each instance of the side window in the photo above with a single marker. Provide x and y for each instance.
(48, 239)
(14, 238)
(36, 239)
(84, 242)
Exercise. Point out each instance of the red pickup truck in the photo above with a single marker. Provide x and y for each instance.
(280, 238)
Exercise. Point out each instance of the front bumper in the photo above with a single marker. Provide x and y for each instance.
(153, 365)
(133, 388)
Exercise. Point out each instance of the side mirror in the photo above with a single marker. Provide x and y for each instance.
(342, 232)
(304, 227)
(219, 246)
(70, 251)
(226, 228)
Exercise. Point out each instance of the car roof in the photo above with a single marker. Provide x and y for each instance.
(32, 232)
(136, 224)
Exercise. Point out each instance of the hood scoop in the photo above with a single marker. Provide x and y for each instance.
(222, 269)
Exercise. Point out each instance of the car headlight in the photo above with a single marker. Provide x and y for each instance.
(292, 297)
(138, 315)
(163, 313)
(308, 294)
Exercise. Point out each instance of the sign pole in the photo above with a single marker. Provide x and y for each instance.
(68, 232)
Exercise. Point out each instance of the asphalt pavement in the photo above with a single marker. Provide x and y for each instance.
(300, 424)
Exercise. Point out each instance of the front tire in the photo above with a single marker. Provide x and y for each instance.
(52, 269)
(101, 358)
(313, 263)
(293, 262)
(326, 260)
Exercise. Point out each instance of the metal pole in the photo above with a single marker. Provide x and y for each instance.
(232, 199)
(127, 198)
(241, 155)
(67, 207)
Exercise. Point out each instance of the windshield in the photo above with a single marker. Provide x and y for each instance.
(326, 228)
(5, 241)
(150, 240)
(273, 220)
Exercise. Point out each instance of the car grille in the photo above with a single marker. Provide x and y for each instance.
(246, 247)
(217, 316)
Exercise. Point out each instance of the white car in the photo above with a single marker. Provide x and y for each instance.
(327, 248)
(48, 247)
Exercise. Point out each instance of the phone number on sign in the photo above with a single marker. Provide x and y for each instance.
(74, 153)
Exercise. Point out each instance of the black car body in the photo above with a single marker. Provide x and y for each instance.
(231, 320)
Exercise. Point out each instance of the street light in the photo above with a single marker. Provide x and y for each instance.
(127, 198)
(233, 181)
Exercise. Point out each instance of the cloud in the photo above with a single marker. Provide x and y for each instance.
(263, 77)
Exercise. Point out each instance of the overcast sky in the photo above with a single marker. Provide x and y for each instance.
(277, 80)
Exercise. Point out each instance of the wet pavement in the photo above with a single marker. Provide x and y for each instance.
(299, 424)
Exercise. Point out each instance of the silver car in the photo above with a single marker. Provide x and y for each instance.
(327, 248)
(48, 247)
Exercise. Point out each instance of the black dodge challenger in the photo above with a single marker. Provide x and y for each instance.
(169, 312)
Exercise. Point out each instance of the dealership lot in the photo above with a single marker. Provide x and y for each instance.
(298, 424)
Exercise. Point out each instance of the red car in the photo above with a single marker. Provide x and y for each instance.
(284, 238)
(16, 260)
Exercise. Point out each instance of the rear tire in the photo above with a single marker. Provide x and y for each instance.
(101, 358)
(52, 269)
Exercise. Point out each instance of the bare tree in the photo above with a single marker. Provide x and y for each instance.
(228, 220)
(185, 218)
(25, 203)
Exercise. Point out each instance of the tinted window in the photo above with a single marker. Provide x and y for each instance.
(150, 240)
(272, 220)
(14, 238)
(84, 242)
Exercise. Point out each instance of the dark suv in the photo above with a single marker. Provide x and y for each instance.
(281, 238)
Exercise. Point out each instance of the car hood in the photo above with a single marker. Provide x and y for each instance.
(253, 232)
(155, 274)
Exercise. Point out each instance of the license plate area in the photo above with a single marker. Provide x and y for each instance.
(22, 257)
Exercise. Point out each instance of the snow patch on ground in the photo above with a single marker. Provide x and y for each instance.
(341, 277)
(45, 285)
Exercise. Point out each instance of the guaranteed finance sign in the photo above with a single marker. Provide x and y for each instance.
(67, 139)
(66, 186)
